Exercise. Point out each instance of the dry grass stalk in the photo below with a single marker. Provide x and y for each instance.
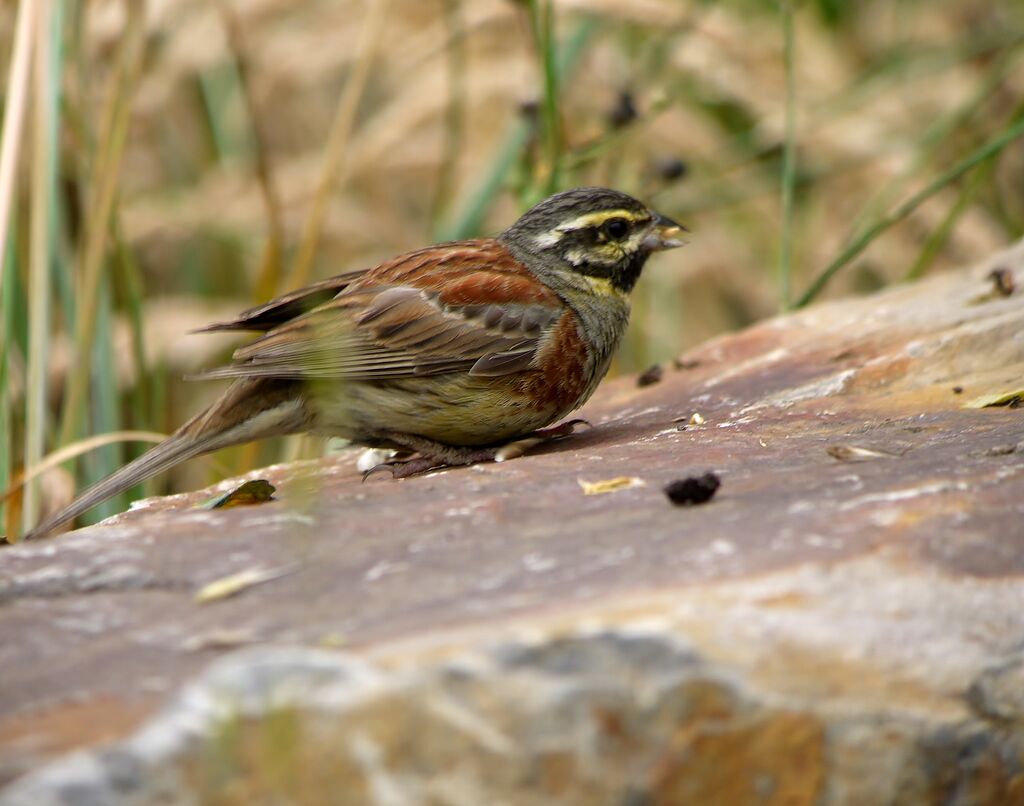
(42, 183)
(15, 105)
(104, 191)
(268, 276)
(72, 451)
(337, 143)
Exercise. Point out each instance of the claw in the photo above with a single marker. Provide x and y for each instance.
(382, 466)
(403, 468)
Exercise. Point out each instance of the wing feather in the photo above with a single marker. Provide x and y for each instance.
(489, 320)
(288, 306)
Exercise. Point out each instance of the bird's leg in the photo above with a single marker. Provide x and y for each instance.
(430, 455)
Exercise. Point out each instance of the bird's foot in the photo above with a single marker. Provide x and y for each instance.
(434, 455)
(421, 462)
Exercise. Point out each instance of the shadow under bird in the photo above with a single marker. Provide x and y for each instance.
(453, 354)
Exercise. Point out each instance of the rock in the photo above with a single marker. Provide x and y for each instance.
(824, 630)
(998, 692)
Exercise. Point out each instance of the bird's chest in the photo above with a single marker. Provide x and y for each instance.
(576, 358)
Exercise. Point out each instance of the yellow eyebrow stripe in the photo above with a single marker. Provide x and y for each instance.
(597, 219)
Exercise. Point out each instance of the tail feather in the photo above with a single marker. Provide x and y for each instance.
(176, 448)
(251, 408)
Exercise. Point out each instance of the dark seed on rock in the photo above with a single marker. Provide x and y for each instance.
(624, 112)
(1003, 280)
(671, 168)
(529, 109)
(651, 375)
(693, 489)
(958, 390)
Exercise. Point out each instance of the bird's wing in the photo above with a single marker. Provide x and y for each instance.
(288, 306)
(453, 308)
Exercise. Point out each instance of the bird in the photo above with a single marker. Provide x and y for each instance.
(457, 353)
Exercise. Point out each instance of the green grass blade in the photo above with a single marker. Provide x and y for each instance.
(543, 26)
(939, 237)
(454, 112)
(335, 152)
(6, 343)
(271, 266)
(938, 132)
(130, 294)
(788, 161)
(470, 221)
(102, 197)
(859, 244)
(214, 87)
(105, 408)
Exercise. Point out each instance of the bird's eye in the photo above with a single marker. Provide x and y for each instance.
(615, 228)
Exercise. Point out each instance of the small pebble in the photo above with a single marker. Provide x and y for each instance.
(695, 419)
(1001, 450)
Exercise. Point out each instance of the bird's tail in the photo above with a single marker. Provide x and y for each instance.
(249, 410)
(176, 448)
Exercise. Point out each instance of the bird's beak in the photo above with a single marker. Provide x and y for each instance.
(665, 234)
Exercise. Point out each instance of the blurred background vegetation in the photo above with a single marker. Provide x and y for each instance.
(166, 163)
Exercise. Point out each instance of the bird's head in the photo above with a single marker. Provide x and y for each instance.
(593, 232)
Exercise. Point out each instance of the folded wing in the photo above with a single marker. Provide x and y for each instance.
(289, 306)
(458, 308)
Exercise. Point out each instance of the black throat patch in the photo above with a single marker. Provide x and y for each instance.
(580, 249)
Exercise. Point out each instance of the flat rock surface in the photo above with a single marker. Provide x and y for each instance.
(865, 548)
